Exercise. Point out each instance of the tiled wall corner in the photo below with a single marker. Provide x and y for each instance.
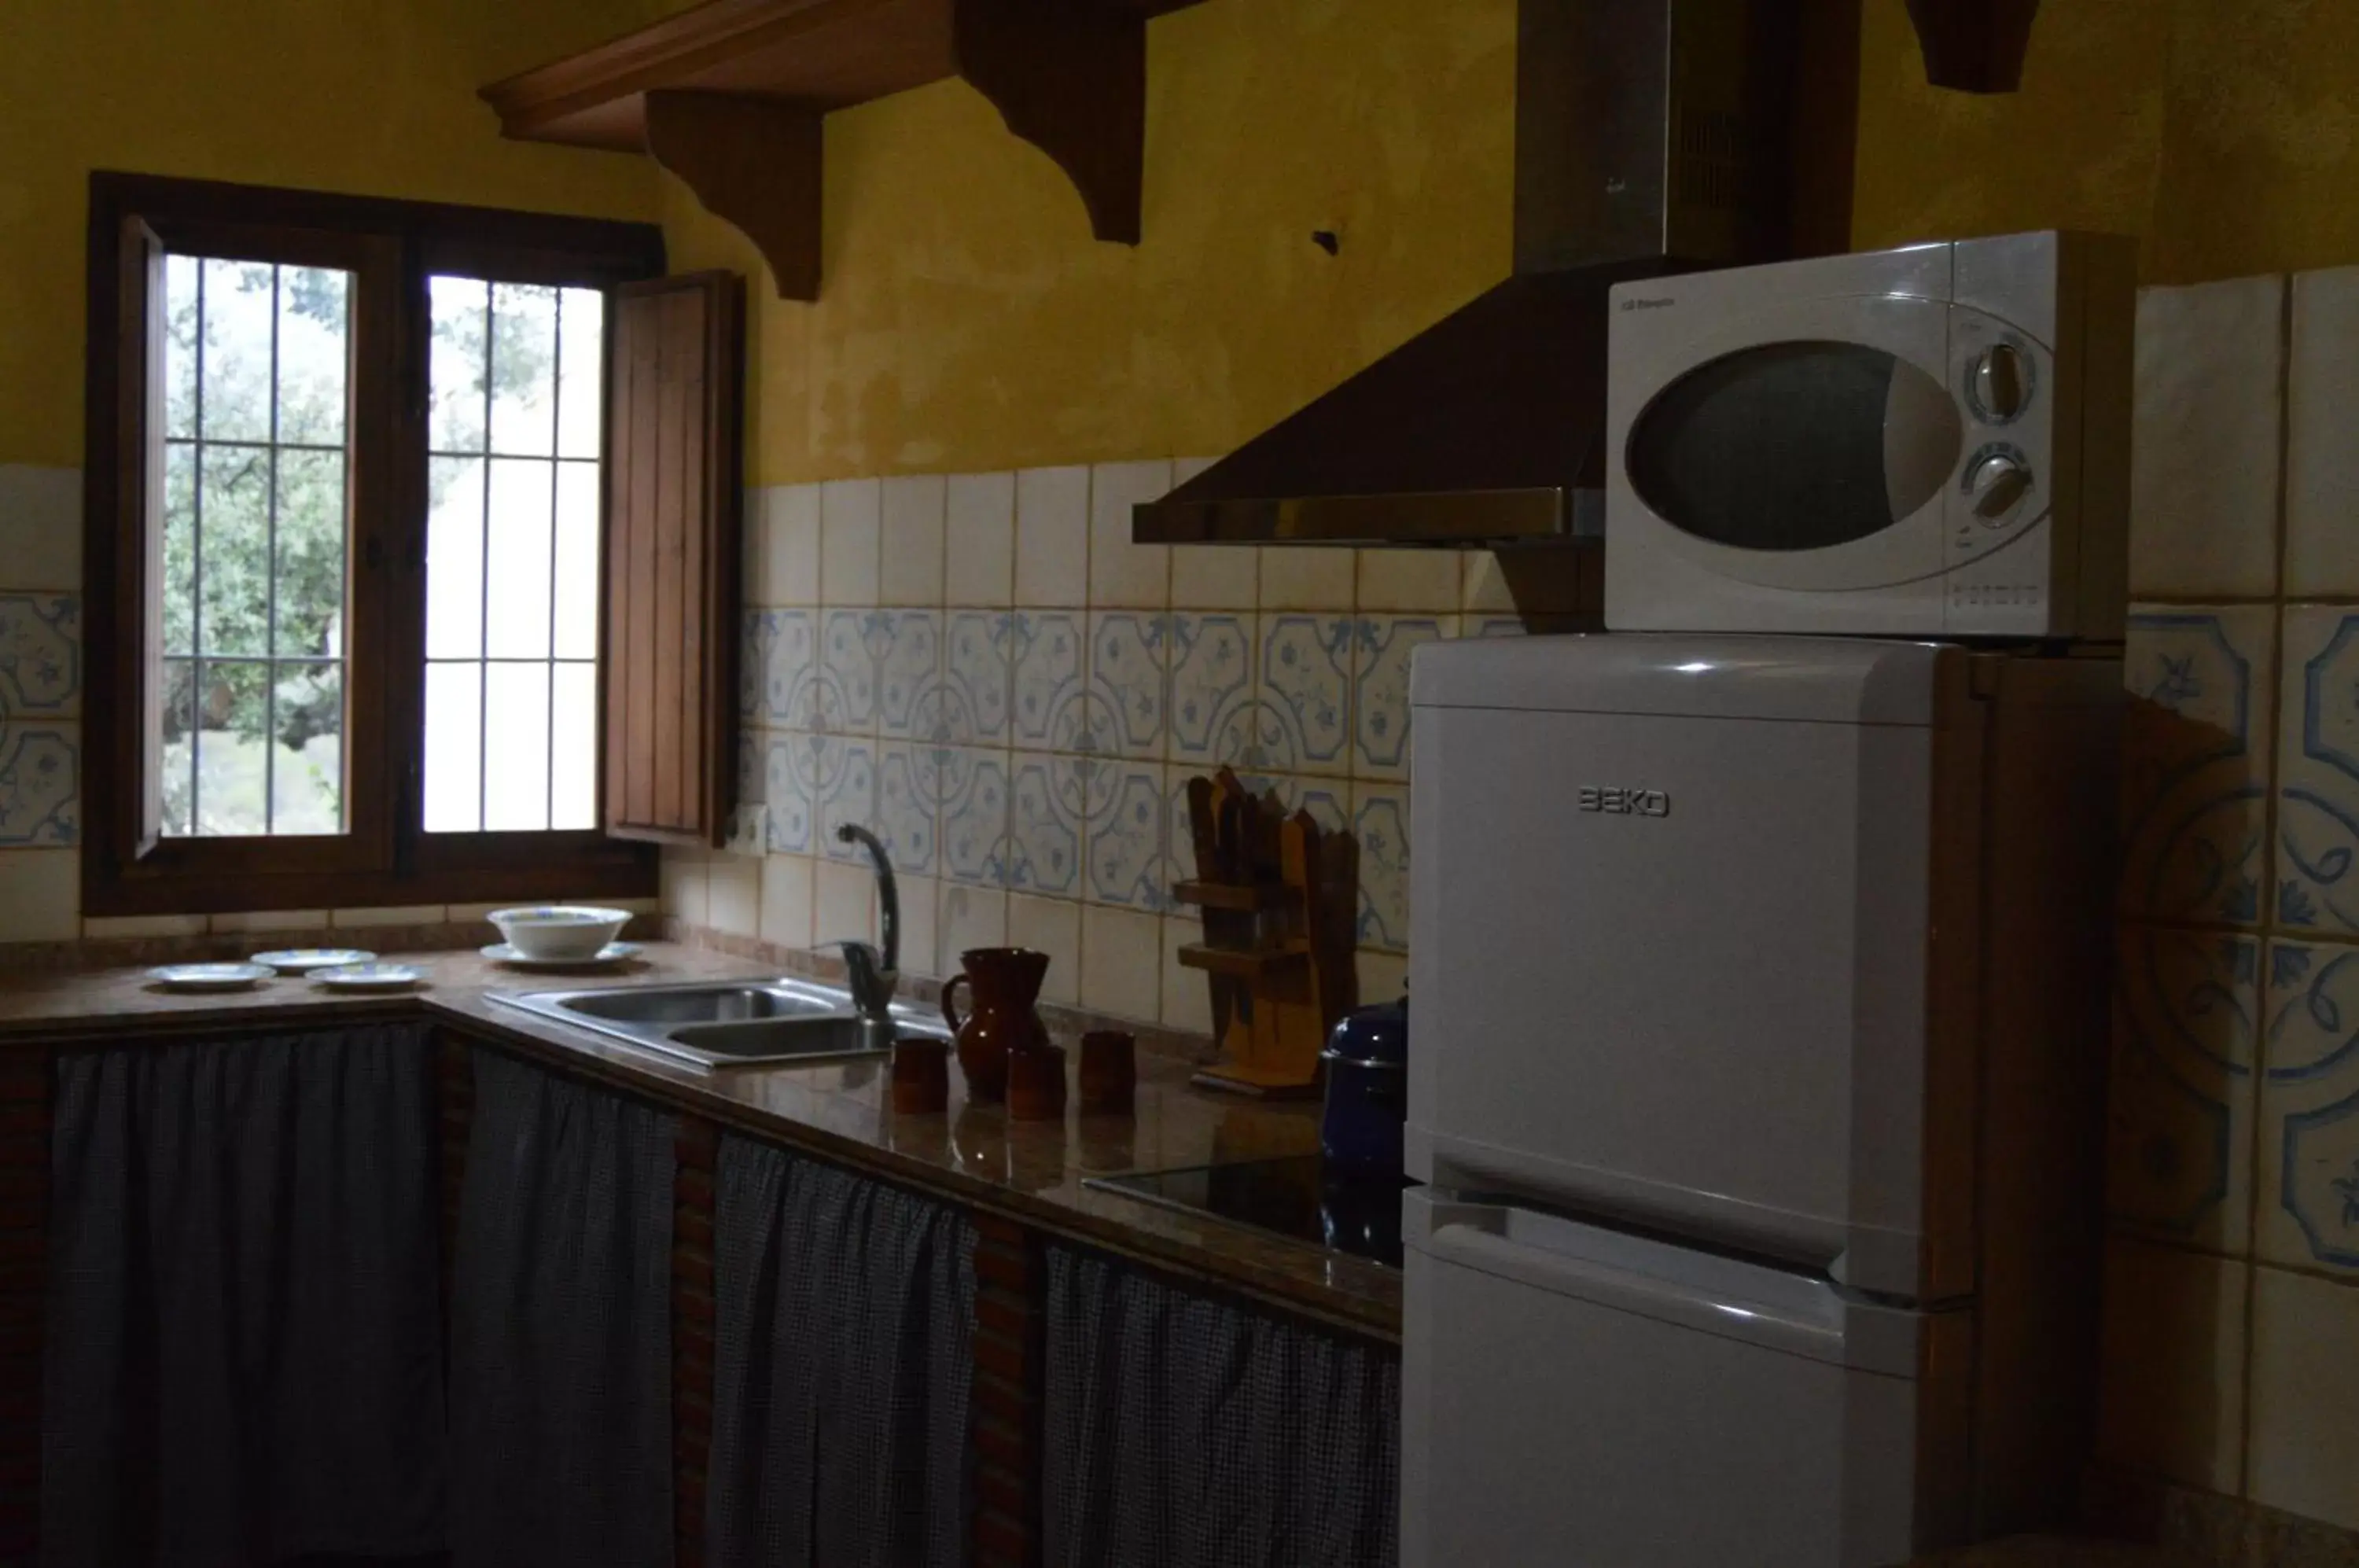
(40, 702)
(1016, 702)
(2233, 1179)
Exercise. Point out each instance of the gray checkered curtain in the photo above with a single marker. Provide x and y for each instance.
(1185, 1433)
(243, 1351)
(560, 1328)
(844, 1366)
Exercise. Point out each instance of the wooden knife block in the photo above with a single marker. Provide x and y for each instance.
(1278, 897)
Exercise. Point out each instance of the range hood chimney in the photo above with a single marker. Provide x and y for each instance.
(1651, 136)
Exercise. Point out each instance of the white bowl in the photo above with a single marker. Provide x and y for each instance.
(560, 930)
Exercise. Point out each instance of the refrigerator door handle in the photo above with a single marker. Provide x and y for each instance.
(1546, 1252)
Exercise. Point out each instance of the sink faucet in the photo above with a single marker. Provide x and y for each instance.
(873, 976)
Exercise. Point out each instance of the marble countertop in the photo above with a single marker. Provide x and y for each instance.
(1031, 1171)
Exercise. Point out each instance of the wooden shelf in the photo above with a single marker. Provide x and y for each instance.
(729, 96)
(1241, 963)
(1232, 894)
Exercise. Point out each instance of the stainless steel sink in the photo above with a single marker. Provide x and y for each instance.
(728, 1023)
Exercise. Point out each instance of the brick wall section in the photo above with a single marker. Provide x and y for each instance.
(691, 1334)
(23, 1202)
(1006, 1413)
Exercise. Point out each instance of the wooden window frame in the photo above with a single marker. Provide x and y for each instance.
(384, 857)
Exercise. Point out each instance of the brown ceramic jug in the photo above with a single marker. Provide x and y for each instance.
(1005, 983)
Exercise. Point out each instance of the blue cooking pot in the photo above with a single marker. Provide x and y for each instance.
(1366, 1062)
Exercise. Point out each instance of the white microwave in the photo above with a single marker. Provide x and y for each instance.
(1926, 441)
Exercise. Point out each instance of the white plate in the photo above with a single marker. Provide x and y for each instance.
(612, 952)
(209, 976)
(303, 960)
(369, 976)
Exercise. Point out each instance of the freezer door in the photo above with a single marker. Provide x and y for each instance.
(1575, 1398)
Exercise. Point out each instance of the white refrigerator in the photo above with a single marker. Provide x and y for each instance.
(1757, 1078)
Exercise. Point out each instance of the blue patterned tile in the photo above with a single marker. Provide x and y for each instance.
(852, 645)
(1124, 837)
(2318, 773)
(40, 782)
(792, 689)
(1128, 682)
(848, 795)
(1049, 702)
(1380, 822)
(906, 817)
(815, 783)
(1380, 664)
(757, 635)
(967, 702)
(1046, 806)
(40, 654)
(909, 667)
(792, 767)
(1211, 685)
(2179, 1142)
(1302, 717)
(969, 789)
(2194, 763)
(2309, 1108)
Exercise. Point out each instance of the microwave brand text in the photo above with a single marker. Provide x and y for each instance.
(1623, 802)
(1636, 303)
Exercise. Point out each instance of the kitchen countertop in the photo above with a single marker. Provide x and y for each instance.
(1031, 1171)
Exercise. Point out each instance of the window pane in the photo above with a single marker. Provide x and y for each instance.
(581, 356)
(520, 558)
(524, 369)
(455, 730)
(455, 557)
(178, 746)
(456, 423)
(235, 383)
(233, 548)
(233, 700)
(311, 352)
(574, 748)
(310, 552)
(180, 273)
(577, 560)
(306, 763)
(516, 748)
(180, 585)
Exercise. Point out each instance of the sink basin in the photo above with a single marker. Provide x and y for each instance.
(734, 1023)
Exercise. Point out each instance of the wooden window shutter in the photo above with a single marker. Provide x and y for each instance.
(673, 498)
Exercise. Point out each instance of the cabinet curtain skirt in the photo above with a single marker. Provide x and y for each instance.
(243, 1357)
(561, 1327)
(843, 1369)
(1183, 1432)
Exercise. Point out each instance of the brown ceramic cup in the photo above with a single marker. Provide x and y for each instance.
(922, 1076)
(1036, 1083)
(1109, 1072)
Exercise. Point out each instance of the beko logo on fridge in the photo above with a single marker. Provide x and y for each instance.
(1623, 802)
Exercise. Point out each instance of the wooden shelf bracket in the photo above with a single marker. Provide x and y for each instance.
(755, 163)
(1073, 84)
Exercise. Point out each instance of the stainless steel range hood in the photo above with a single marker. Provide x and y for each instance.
(1651, 136)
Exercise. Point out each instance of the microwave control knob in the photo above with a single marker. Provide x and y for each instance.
(2000, 382)
(1997, 484)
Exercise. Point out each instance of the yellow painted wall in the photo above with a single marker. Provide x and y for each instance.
(2224, 133)
(373, 96)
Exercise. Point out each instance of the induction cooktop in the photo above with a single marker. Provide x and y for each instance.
(1299, 1196)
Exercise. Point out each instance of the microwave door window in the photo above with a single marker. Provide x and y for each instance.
(1795, 446)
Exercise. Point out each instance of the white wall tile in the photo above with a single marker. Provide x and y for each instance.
(686, 884)
(2195, 761)
(733, 895)
(113, 928)
(268, 920)
(40, 526)
(1483, 586)
(2203, 502)
(911, 571)
(1122, 963)
(1187, 1001)
(2172, 1363)
(2317, 882)
(1211, 576)
(921, 900)
(1052, 537)
(852, 515)
(2309, 1209)
(2305, 1443)
(1306, 577)
(2321, 553)
(385, 915)
(791, 547)
(1382, 977)
(1053, 926)
(846, 904)
(789, 900)
(1125, 575)
(40, 894)
(979, 553)
(1401, 580)
(967, 917)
